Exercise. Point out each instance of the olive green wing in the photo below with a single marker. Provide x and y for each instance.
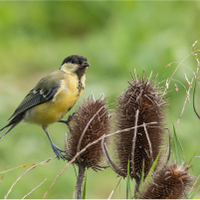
(44, 91)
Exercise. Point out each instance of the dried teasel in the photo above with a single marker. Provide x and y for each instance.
(170, 182)
(139, 120)
(88, 124)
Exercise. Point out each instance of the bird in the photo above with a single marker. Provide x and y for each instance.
(52, 97)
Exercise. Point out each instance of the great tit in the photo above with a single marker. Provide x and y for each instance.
(52, 98)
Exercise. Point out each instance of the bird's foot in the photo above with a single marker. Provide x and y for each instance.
(67, 122)
(58, 151)
(64, 121)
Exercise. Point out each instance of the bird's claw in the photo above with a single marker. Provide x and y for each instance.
(69, 119)
(58, 151)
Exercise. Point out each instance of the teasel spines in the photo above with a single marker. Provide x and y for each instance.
(89, 123)
(170, 182)
(139, 105)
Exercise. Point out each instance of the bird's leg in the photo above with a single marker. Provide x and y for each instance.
(56, 150)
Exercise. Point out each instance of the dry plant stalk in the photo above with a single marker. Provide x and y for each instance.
(34, 166)
(87, 125)
(34, 189)
(140, 104)
(194, 53)
(171, 182)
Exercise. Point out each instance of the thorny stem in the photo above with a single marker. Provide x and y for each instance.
(79, 184)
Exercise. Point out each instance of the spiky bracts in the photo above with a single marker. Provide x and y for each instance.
(88, 124)
(140, 105)
(171, 182)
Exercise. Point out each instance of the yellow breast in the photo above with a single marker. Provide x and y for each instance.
(52, 111)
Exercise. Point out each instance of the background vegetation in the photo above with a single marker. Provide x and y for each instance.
(116, 37)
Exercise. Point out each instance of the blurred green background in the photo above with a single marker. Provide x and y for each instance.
(116, 38)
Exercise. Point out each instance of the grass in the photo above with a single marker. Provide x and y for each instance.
(178, 149)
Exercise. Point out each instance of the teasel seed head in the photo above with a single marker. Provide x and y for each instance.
(88, 124)
(140, 105)
(171, 182)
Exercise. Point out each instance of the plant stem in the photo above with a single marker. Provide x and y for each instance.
(79, 184)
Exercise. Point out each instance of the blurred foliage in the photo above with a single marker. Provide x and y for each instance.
(116, 37)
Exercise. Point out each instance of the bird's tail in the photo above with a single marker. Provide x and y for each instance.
(12, 123)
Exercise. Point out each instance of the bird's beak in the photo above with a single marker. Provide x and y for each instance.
(85, 64)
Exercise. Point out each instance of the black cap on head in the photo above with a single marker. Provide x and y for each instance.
(76, 59)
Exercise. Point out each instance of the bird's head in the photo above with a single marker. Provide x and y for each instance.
(75, 64)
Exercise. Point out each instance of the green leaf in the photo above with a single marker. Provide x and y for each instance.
(178, 149)
(142, 177)
(128, 182)
(193, 193)
(84, 186)
(149, 177)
